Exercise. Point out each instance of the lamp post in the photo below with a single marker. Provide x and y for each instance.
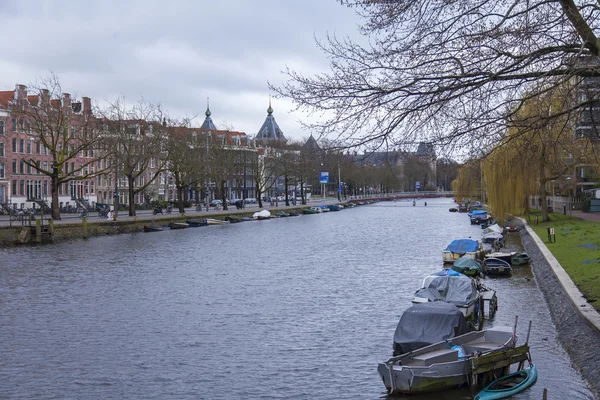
(552, 181)
(207, 134)
(339, 183)
(569, 202)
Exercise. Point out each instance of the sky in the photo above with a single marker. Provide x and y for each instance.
(177, 53)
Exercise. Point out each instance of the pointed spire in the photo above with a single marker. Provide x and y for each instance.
(207, 113)
(270, 109)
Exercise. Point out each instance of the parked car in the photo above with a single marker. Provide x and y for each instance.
(250, 200)
(215, 203)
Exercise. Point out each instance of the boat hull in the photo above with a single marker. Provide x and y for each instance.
(423, 380)
(509, 385)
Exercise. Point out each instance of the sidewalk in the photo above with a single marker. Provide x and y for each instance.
(592, 217)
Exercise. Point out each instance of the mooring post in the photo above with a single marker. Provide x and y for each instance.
(85, 227)
(38, 231)
(545, 397)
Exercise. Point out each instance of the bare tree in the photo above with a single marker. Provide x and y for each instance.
(65, 129)
(135, 137)
(448, 72)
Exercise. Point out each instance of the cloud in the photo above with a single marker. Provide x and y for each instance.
(177, 53)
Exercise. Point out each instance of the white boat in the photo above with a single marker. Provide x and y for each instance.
(451, 287)
(213, 221)
(463, 247)
(264, 214)
(445, 364)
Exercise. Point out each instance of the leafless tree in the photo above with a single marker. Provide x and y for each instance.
(447, 72)
(65, 130)
(135, 136)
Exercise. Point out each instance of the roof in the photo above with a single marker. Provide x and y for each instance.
(311, 144)
(269, 129)
(208, 123)
(425, 149)
(5, 97)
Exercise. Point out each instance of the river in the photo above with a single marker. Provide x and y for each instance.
(294, 308)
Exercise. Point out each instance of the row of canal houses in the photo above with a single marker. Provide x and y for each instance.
(22, 186)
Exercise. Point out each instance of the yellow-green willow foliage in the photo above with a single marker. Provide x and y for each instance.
(540, 146)
(467, 184)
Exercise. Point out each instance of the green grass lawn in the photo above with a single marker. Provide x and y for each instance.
(577, 249)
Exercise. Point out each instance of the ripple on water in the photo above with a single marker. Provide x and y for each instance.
(300, 308)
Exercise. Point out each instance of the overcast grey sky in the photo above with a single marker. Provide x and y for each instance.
(176, 52)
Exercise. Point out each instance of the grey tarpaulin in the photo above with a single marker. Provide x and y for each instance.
(427, 323)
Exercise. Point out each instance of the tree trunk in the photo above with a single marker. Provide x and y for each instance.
(286, 180)
(180, 198)
(259, 196)
(54, 190)
(131, 195)
(302, 194)
(223, 196)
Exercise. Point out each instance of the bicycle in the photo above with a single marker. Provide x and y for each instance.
(84, 214)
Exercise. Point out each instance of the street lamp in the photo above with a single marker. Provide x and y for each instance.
(552, 181)
(569, 202)
(207, 134)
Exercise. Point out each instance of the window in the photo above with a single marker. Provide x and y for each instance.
(2, 174)
(28, 128)
(21, 187)
(14, 166)
(1, 149)
(14, 124)
(21, 146)
(21, 126)
(14, 146)
(29, 147)
(29, 169)
(45, 188)
(45, 165)
(22, 167)
(14, 187)
(38, 148)
(2, 128)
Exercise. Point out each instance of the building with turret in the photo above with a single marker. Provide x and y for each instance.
(270, 133)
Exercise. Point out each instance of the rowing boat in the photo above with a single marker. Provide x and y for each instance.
(509, 385)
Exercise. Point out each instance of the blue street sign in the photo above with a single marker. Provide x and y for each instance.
(116, 194)
(324, 177)
(418, 185)
(340, 190)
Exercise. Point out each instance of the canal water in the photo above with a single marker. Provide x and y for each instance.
(294, 308)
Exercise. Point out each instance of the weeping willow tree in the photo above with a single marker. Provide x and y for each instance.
(468, 182)
(536, 150)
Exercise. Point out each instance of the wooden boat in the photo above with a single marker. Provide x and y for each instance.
(153, 228)
(281, 214)
(293, 214)
(233, 220)
(196, 224)
(468, 266)
(310, 210)
(496, 266)
(448, 363)
(178, 225)
(509, 385)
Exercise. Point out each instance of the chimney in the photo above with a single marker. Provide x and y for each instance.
(44, 97)
(20, 92)
(87, 105)
(66, 100)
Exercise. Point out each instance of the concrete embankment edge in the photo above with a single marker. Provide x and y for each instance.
(577, 323)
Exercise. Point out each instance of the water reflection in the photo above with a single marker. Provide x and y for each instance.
(290, 308)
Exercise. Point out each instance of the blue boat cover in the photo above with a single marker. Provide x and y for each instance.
(477, 212)
(462, 246)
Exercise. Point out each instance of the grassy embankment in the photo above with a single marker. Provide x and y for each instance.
(577, 249)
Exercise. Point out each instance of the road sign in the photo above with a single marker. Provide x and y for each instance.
(340, 190)
(116, 194)
(324, 177)
(418, 185)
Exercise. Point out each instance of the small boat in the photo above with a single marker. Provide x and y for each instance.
(247, 219)
(445, 364)
(310, 210)
(452, 287)
(261, 215)
(350, 205)
(491, 237)
(196, 224)
(467, 265)
(293, 214)
(509, 385)
(323, 209)
(153, 228)
(462, 247)
(233, 220)
(520, 259)
(178, 225)
(212, 221)
(334, 207)
(281, 214)
(453, 209)
(502, 256)
(496, 266)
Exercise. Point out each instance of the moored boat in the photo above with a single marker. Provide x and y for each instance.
(467, 265)
(509, 385)
(281, 214)
(310, 210)
(462, 247)
(496, 266)
(153, 228)
(213, 221)
(445, 364)
(195, 223)
(261, 215)
(334, 207)
(178, 225)
(520, 259)
(233, 220)
(504, 256)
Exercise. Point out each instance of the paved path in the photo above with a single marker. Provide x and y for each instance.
(593, 217)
